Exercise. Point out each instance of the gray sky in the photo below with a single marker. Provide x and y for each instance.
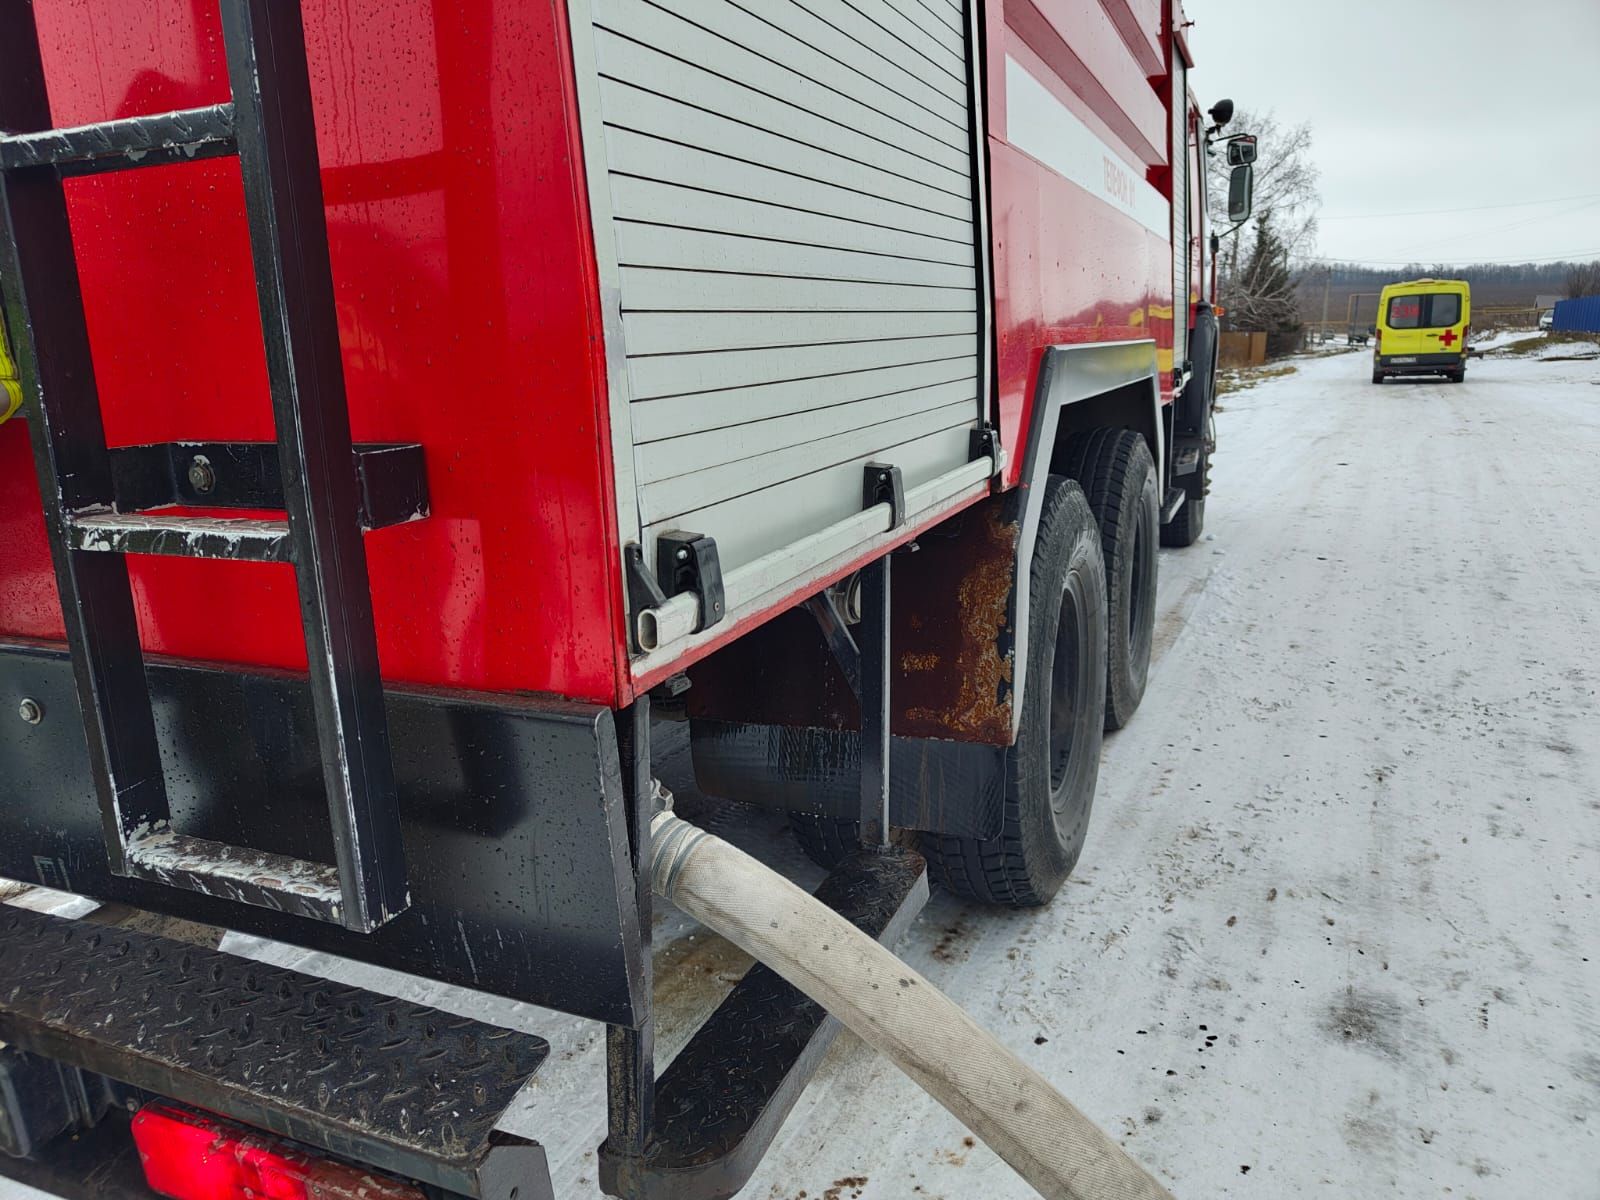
(1488, 105)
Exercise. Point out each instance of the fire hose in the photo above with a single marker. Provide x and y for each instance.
(888, 1005)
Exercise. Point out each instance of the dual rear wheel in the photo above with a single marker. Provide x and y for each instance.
(1091, 615)
(1091, 621)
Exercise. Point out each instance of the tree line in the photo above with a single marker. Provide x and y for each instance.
(1563, 278)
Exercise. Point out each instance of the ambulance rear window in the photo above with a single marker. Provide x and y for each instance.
(1433, 311)
(1405, 312)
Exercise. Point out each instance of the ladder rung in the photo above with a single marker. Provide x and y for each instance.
(148, 141)
(324, 490)
(182, 536)
(309, 889)
(392, 477)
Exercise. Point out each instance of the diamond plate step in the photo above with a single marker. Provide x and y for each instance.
(727, 1093)
(381, 1081)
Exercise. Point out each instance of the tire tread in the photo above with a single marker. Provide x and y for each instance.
(1107, 463)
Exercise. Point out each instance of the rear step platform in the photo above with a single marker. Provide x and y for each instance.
(400, 1086)
(726, 1094)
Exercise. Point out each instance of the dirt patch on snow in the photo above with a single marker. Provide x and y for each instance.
(1368, 1020)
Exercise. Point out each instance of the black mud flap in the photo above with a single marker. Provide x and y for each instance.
(954, 788)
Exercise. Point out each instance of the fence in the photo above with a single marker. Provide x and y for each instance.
(1241, 349)
(1504, 317)
(1578, 316)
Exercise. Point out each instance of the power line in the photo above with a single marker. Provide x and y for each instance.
(1434, 212)
(1520, 224)
(1571, 256)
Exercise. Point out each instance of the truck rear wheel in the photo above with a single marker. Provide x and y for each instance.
(828, 841)
(1051, 771)
(1119, 480)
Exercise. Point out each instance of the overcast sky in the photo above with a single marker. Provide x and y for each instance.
(1491, 106)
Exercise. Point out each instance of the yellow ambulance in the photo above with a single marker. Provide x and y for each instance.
(1422, 329)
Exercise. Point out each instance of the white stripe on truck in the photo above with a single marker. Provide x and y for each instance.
(1039, 124)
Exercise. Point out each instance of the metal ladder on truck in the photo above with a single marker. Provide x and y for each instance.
(397, 1086)
(103, 504)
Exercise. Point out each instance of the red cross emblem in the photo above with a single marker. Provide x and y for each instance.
(1448, 337)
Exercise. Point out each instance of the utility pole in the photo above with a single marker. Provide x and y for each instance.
(1327, 281)
(1353, 307)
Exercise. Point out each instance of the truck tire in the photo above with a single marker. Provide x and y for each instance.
(828, 841)
(1189, 522)
(1377, 377)
(1118, 477)
(1194, 419)
(1052, 768)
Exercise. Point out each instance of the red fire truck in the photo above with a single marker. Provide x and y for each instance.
(418, 403)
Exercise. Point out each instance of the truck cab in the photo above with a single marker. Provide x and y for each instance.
(1422, 329)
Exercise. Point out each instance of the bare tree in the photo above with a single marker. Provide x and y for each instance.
(1260, 292)
(1583, 279)
(1255, 281)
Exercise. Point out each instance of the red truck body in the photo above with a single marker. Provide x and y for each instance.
(468, 317)
(665, 327)
(470, 314)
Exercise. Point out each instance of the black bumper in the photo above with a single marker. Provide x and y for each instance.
(1419, 364)
(511, 808)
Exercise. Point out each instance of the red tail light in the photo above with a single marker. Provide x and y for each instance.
(195, 1156)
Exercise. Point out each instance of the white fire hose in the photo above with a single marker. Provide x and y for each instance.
(892, 1008)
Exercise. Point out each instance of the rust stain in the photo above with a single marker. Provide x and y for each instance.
(952, 640)
(850, 1183)
(980, 708)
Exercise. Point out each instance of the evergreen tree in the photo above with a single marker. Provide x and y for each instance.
(1259, 292)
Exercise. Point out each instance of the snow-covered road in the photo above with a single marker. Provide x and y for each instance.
(1335, 932)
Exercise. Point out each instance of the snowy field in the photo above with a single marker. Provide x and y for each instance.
(1335, 932)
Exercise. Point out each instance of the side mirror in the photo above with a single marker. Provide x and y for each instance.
(1241, 150)
(1221, 113)
(1241, 192)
